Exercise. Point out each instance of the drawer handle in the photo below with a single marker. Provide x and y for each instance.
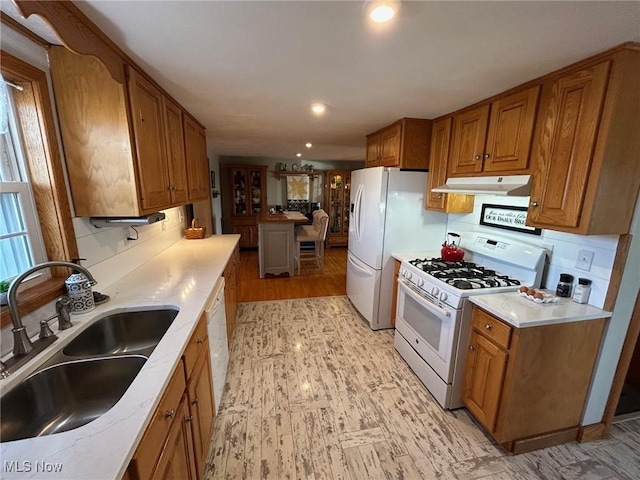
(472, 347)
(195, 401)
(488, 326)
(170, 414)
(189, 418)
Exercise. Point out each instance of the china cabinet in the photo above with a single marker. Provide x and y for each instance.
(338, 189)
(245, 197)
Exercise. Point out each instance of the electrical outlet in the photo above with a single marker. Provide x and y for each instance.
(584, 260)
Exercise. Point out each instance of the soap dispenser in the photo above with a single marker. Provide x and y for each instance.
(79, 291)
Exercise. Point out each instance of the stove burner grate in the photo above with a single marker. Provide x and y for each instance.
(463, 275)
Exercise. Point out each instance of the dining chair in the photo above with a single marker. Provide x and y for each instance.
(315, 234)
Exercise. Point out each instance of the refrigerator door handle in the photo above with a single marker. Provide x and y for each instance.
(358, 213)
(358, 267)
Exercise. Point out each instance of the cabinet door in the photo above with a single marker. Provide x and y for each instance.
(238, 180)
(148, 127)
(484, 375)
(200, 392)
(177, 460)
(197, 164)
(469, 132)
(335, 185)
(511, 131)
(373, 151)
(175, 152)
(565, 147)
(390, 146)
(438, 156)
(258, 191)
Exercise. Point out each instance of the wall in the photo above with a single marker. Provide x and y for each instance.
(564, 247)
(214, 166)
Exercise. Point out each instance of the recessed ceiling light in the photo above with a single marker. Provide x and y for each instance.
(298, 154)
(383, 11)
(308, 145)
(318, 108)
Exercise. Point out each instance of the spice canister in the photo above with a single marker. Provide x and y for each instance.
(582, 291)
(564, 285)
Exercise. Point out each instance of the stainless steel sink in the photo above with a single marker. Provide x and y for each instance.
(66, 396)
(127, 332)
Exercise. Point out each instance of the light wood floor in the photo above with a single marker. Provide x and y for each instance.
(313, 393)
(312, 282)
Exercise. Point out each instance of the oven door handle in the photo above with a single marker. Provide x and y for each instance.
(425, 302)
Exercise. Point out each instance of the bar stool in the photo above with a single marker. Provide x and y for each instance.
(316, 233)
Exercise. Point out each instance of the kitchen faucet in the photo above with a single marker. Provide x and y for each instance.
(21, 342)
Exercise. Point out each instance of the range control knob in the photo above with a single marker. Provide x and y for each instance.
(443, 296)
(420, 282)
(408, 275)
(403, 272)
(435, 291)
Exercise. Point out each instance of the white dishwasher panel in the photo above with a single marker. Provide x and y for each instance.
(217, 330)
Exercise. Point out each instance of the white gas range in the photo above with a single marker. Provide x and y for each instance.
(433, 317)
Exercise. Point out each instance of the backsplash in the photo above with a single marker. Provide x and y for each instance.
(109, 257)
(564, 247)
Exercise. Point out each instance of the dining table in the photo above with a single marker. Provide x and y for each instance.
(277, 242)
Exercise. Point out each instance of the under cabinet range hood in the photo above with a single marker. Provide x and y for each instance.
(99, 222)
(512, 185)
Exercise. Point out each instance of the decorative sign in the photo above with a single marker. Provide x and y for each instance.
(507, 217)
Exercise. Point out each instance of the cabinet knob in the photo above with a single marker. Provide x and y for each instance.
(477, 157)
(488, 326)
(487, 155)
(195, 401)
(200, 341)
(170, 414)
(535, 204)
(472, 347)
(189, 418)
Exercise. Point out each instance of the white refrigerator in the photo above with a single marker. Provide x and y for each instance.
(387, 215)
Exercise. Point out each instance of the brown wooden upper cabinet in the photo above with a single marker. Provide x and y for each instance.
(403, 144)
(588, 175)
(197, 162)
(125, 146)
(438, 156)
(495, 138)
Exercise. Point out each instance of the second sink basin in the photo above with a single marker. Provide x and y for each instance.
(66, 396)
(126, 332)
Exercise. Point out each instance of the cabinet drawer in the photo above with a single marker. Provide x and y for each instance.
(150, 447)
(492, 328)
(195, 346)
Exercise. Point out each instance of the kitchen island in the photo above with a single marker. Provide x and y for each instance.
(182, 276)
(276, 242)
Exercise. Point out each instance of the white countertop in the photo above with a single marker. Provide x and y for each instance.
(182, 275)
(406, 256)
(521, 312)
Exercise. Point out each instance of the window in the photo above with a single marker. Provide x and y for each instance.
(21, 244)
(39, 158)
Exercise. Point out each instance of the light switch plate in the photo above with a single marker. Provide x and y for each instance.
(584, 260)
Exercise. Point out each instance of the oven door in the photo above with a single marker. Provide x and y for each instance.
(431, 329)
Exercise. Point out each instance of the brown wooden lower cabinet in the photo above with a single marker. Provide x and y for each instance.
(176, 442)
(528, 386)
(231, 292)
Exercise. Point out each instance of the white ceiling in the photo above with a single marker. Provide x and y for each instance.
(249, 70)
